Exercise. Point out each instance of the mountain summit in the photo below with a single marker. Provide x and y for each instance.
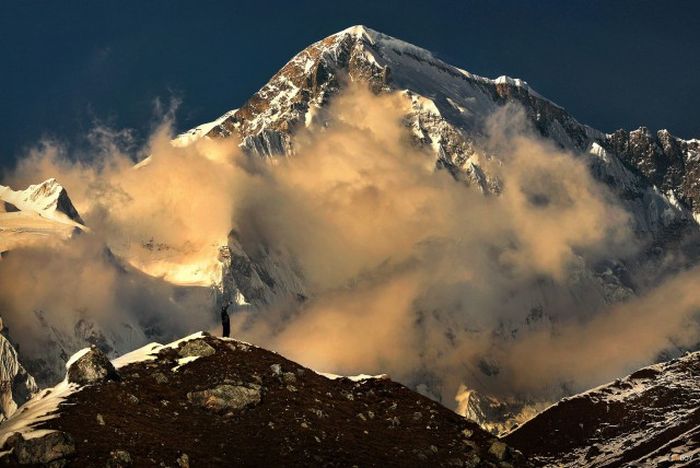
(449, 109)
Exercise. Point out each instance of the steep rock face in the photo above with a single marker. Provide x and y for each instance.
(245, 406)
(16, 385)
(668, 162)
(649, 418)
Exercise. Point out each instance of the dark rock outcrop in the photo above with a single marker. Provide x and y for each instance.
(226, 397)
(91, 368)
(44, 449)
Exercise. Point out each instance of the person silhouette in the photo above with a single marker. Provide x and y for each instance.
(225, 320)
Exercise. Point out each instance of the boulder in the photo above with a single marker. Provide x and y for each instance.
(91, 367)
(499, 450)
(197, 347)
(45, 448)
(226, 397)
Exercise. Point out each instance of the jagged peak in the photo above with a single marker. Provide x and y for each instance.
(360, 31)
(48, 199)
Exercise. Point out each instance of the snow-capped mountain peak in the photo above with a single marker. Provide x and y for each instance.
(48, 199)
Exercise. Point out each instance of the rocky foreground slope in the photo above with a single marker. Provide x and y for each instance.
(204, 401)
(650, 418)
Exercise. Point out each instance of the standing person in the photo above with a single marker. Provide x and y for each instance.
(225, 321)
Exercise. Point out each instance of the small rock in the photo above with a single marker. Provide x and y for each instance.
(226, 397)
(100, 419)
(472, 460)
(119, 459)
(160, 378)
(183, 461)
(132, 399)
(291, 388)
(417, 416)
(433, 449)
(499, 450)
(289, 378)
(197, 347)
(92, 367)
(276, 369)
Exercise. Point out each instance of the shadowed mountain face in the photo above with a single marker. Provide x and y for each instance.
(650, 418)
(204, 401)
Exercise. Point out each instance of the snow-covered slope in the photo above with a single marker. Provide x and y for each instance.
(47, 199)
(200, 131)
(649, 418)
(39, 213)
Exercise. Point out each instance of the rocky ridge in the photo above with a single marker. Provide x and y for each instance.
(649, 418)
(221, 402)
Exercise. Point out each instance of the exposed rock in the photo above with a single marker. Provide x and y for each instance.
(45, 448)
(226, 397)
(183, 461)
(196, 348)
(499, 450)
(92, 367)
(119, 459)
(160, 378)
(16, 385)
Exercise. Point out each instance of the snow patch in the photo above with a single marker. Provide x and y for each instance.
(183, 361)
(354, 378)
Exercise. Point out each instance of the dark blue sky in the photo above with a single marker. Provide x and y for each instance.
(66, 65)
